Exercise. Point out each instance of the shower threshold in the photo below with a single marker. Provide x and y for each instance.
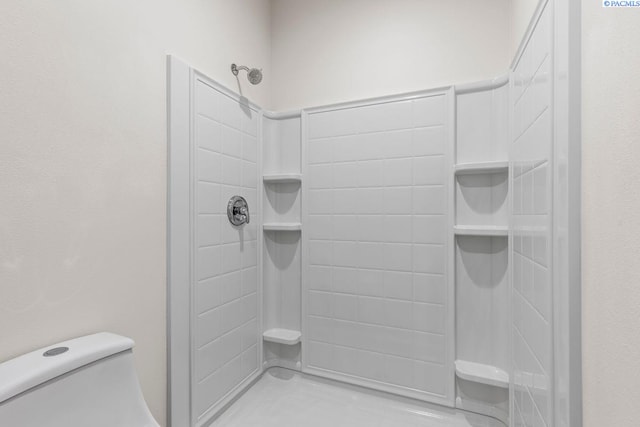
(284, 398)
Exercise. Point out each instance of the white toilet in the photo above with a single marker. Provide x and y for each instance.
(87, 381)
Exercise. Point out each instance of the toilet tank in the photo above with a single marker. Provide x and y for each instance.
(87, 381)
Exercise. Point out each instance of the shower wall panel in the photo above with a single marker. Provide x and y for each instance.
(225, 338)
(531, 163)
(377, 293)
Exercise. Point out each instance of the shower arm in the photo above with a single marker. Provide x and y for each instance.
(235, 69)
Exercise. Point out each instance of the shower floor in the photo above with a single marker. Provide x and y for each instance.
(283, 398)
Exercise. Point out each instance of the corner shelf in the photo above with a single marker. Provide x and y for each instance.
(282, 336)
(480, 373)
(282, 245)
(282, 226)
(283, 178)
(481, 230)
(481, 168)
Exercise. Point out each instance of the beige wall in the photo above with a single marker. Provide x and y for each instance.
(83, 161)
(611, 215)
(326, 51)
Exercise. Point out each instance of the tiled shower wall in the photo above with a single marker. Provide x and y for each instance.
(225, 297)
(531, 220)
(377, 229)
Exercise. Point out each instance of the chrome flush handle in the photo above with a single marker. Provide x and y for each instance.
(238, 211)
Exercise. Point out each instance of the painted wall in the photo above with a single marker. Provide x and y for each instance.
(611, 215)
(83, 161)
(327, 51)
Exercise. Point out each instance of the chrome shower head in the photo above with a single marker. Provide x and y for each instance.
(253, 74)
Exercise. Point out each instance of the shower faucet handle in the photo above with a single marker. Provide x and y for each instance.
(244, 213)
(238, 211)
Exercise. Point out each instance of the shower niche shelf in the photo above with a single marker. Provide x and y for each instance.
(282, 226)
(481, 230)
(284, 178)
(282, 240)
(481, 168)
(481, 199)
(282, 336)
(481, 373)
(480, 240)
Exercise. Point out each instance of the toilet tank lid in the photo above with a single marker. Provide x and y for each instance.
(32, 369)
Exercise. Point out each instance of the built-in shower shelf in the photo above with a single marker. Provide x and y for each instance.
(282, 336)
(282, 226)
(481, 230)
(481, 168)
(282, 178)
(481, 373)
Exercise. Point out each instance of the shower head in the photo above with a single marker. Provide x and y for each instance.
(253, 74)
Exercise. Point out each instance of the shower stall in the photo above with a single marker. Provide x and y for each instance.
(420, 245)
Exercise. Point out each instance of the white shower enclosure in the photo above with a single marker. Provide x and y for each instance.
(423, 244)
